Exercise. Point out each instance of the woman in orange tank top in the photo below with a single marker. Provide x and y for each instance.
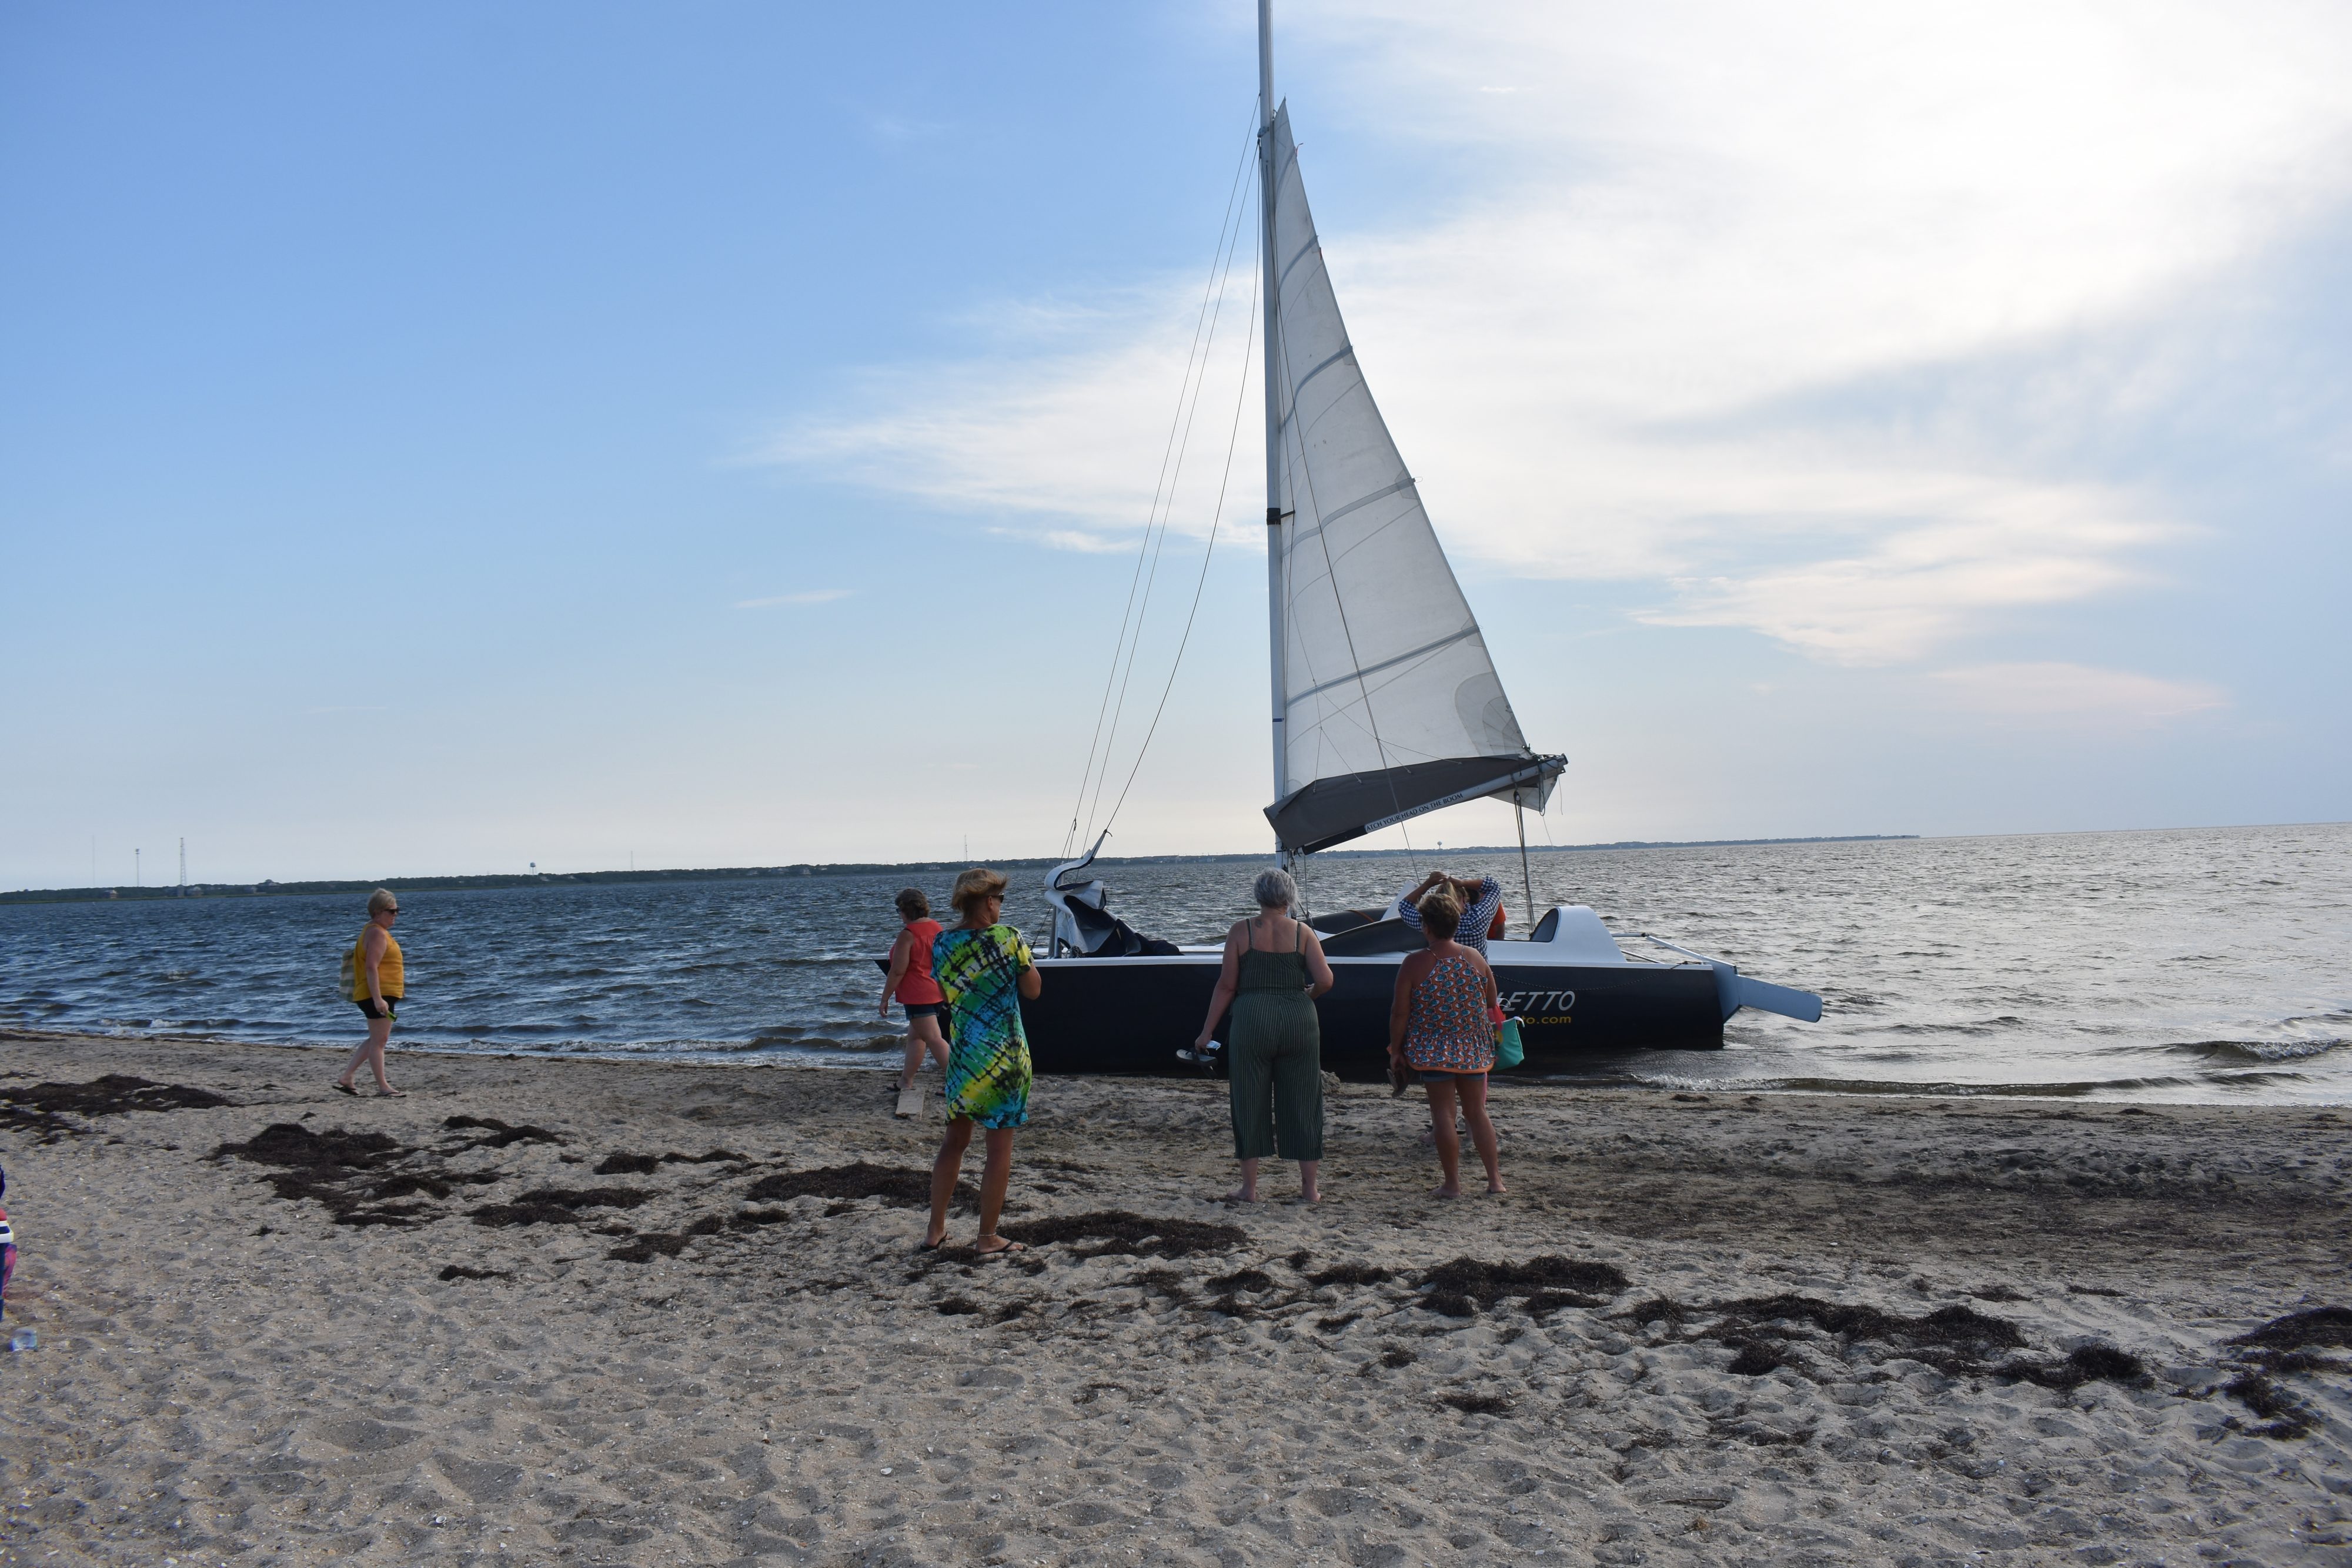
(910, 981)
(379, 978)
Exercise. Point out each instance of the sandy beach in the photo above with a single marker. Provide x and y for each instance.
(544, 1312)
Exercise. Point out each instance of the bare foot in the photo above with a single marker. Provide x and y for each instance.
(389, 1093)
(1310, 1197)
(1240, 1195)
(1002, 1247)
(1495, 1189)
(1447, 1192)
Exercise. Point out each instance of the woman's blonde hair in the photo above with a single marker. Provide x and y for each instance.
(1441, 914)
(974, 886)
(382, 899)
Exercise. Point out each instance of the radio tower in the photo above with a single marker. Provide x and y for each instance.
(183, 865)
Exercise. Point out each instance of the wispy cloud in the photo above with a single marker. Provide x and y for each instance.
(1653, 339)
(2077, 693)
(810, 596)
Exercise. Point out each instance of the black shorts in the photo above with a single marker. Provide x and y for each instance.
(926, 1011)
(391, 1009)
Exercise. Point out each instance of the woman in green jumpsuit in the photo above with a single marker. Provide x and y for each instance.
(1273, 972)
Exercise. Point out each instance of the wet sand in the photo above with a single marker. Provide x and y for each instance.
(575, 1313)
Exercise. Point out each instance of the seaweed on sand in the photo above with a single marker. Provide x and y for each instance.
(557, 1205)
(1460, 1288)
(501, 1133)
(42, 1108)
(1124, 1234)
(897, 1186)
(336, 1168)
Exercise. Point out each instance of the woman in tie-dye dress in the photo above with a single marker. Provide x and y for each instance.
(985, 970)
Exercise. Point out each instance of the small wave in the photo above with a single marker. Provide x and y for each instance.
(2258, 1051)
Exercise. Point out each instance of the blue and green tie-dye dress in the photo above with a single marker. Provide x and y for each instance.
(988, 1057)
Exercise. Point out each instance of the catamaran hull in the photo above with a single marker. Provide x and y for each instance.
(1133, 1015)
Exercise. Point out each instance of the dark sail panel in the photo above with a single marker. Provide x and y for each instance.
(1333, 810)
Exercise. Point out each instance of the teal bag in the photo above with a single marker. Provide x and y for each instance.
(1508, 1052)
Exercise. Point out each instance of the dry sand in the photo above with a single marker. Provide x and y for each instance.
(1777, 1330)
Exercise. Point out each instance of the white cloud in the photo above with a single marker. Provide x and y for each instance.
(1689, 231)
(1073, 422)
(812, 596)
(2077, 694)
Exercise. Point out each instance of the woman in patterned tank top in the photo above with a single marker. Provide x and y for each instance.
(1440, 1026)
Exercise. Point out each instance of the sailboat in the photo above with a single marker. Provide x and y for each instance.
(1386, 706)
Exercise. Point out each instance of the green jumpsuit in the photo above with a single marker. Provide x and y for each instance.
(1274, 1051)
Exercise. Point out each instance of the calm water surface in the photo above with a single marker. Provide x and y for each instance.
(2212, 965)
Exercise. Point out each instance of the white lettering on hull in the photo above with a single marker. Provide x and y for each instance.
(1522, 1003)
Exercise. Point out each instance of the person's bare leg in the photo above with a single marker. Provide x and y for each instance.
(1247, 1191)
(370, 1051)
(994, 1177)
(1307, 1190)
(1481, 1131)
(927, 1030)
(1448, 1141)
(944, 1171)
(914, 1055)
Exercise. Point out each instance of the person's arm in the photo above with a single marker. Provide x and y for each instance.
(372, 946)
(1408, 903)
(1030, 983)
(1229, 979)
(1408, 975)
(1318, 968)
(902, 956)
(1487, 979)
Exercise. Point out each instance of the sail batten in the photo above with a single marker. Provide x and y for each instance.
(1390, 704)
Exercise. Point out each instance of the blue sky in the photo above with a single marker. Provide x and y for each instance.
(444, 437)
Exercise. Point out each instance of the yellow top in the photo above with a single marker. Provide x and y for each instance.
(391, 976)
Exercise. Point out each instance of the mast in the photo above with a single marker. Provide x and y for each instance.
(1274, 538)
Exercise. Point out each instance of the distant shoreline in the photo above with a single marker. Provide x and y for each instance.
(492, 882)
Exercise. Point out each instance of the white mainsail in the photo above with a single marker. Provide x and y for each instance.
(1390, 706)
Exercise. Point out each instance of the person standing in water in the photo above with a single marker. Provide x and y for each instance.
(377, 979)
(985, 970)
(1440, 1025)
(1274, 970)
(910, 981)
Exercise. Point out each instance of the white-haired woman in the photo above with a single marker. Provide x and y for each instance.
(1273, 972)
(378, 977)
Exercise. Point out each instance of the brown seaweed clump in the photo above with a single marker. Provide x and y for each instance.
(897, 1186)
(42, 1109)
(1459, 1289)
(337, 1168)
(1123, 1234)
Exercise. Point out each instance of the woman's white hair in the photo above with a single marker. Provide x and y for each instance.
(1274, 890)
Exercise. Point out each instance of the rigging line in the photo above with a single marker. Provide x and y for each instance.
(1249, 144)
(1184, 449)
(1233, 440)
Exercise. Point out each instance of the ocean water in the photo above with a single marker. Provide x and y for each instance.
(2212, 964)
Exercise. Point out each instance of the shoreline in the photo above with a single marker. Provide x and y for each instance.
(881, 1056)
(1703, 1327)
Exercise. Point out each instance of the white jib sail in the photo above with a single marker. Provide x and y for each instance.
(1385, 669)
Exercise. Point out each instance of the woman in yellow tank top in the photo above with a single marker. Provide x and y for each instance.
(378, 979)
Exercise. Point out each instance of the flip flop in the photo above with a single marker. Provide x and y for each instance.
(346, 1089)
(931, 1246)
(391, 1093)
(1000, 1252)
